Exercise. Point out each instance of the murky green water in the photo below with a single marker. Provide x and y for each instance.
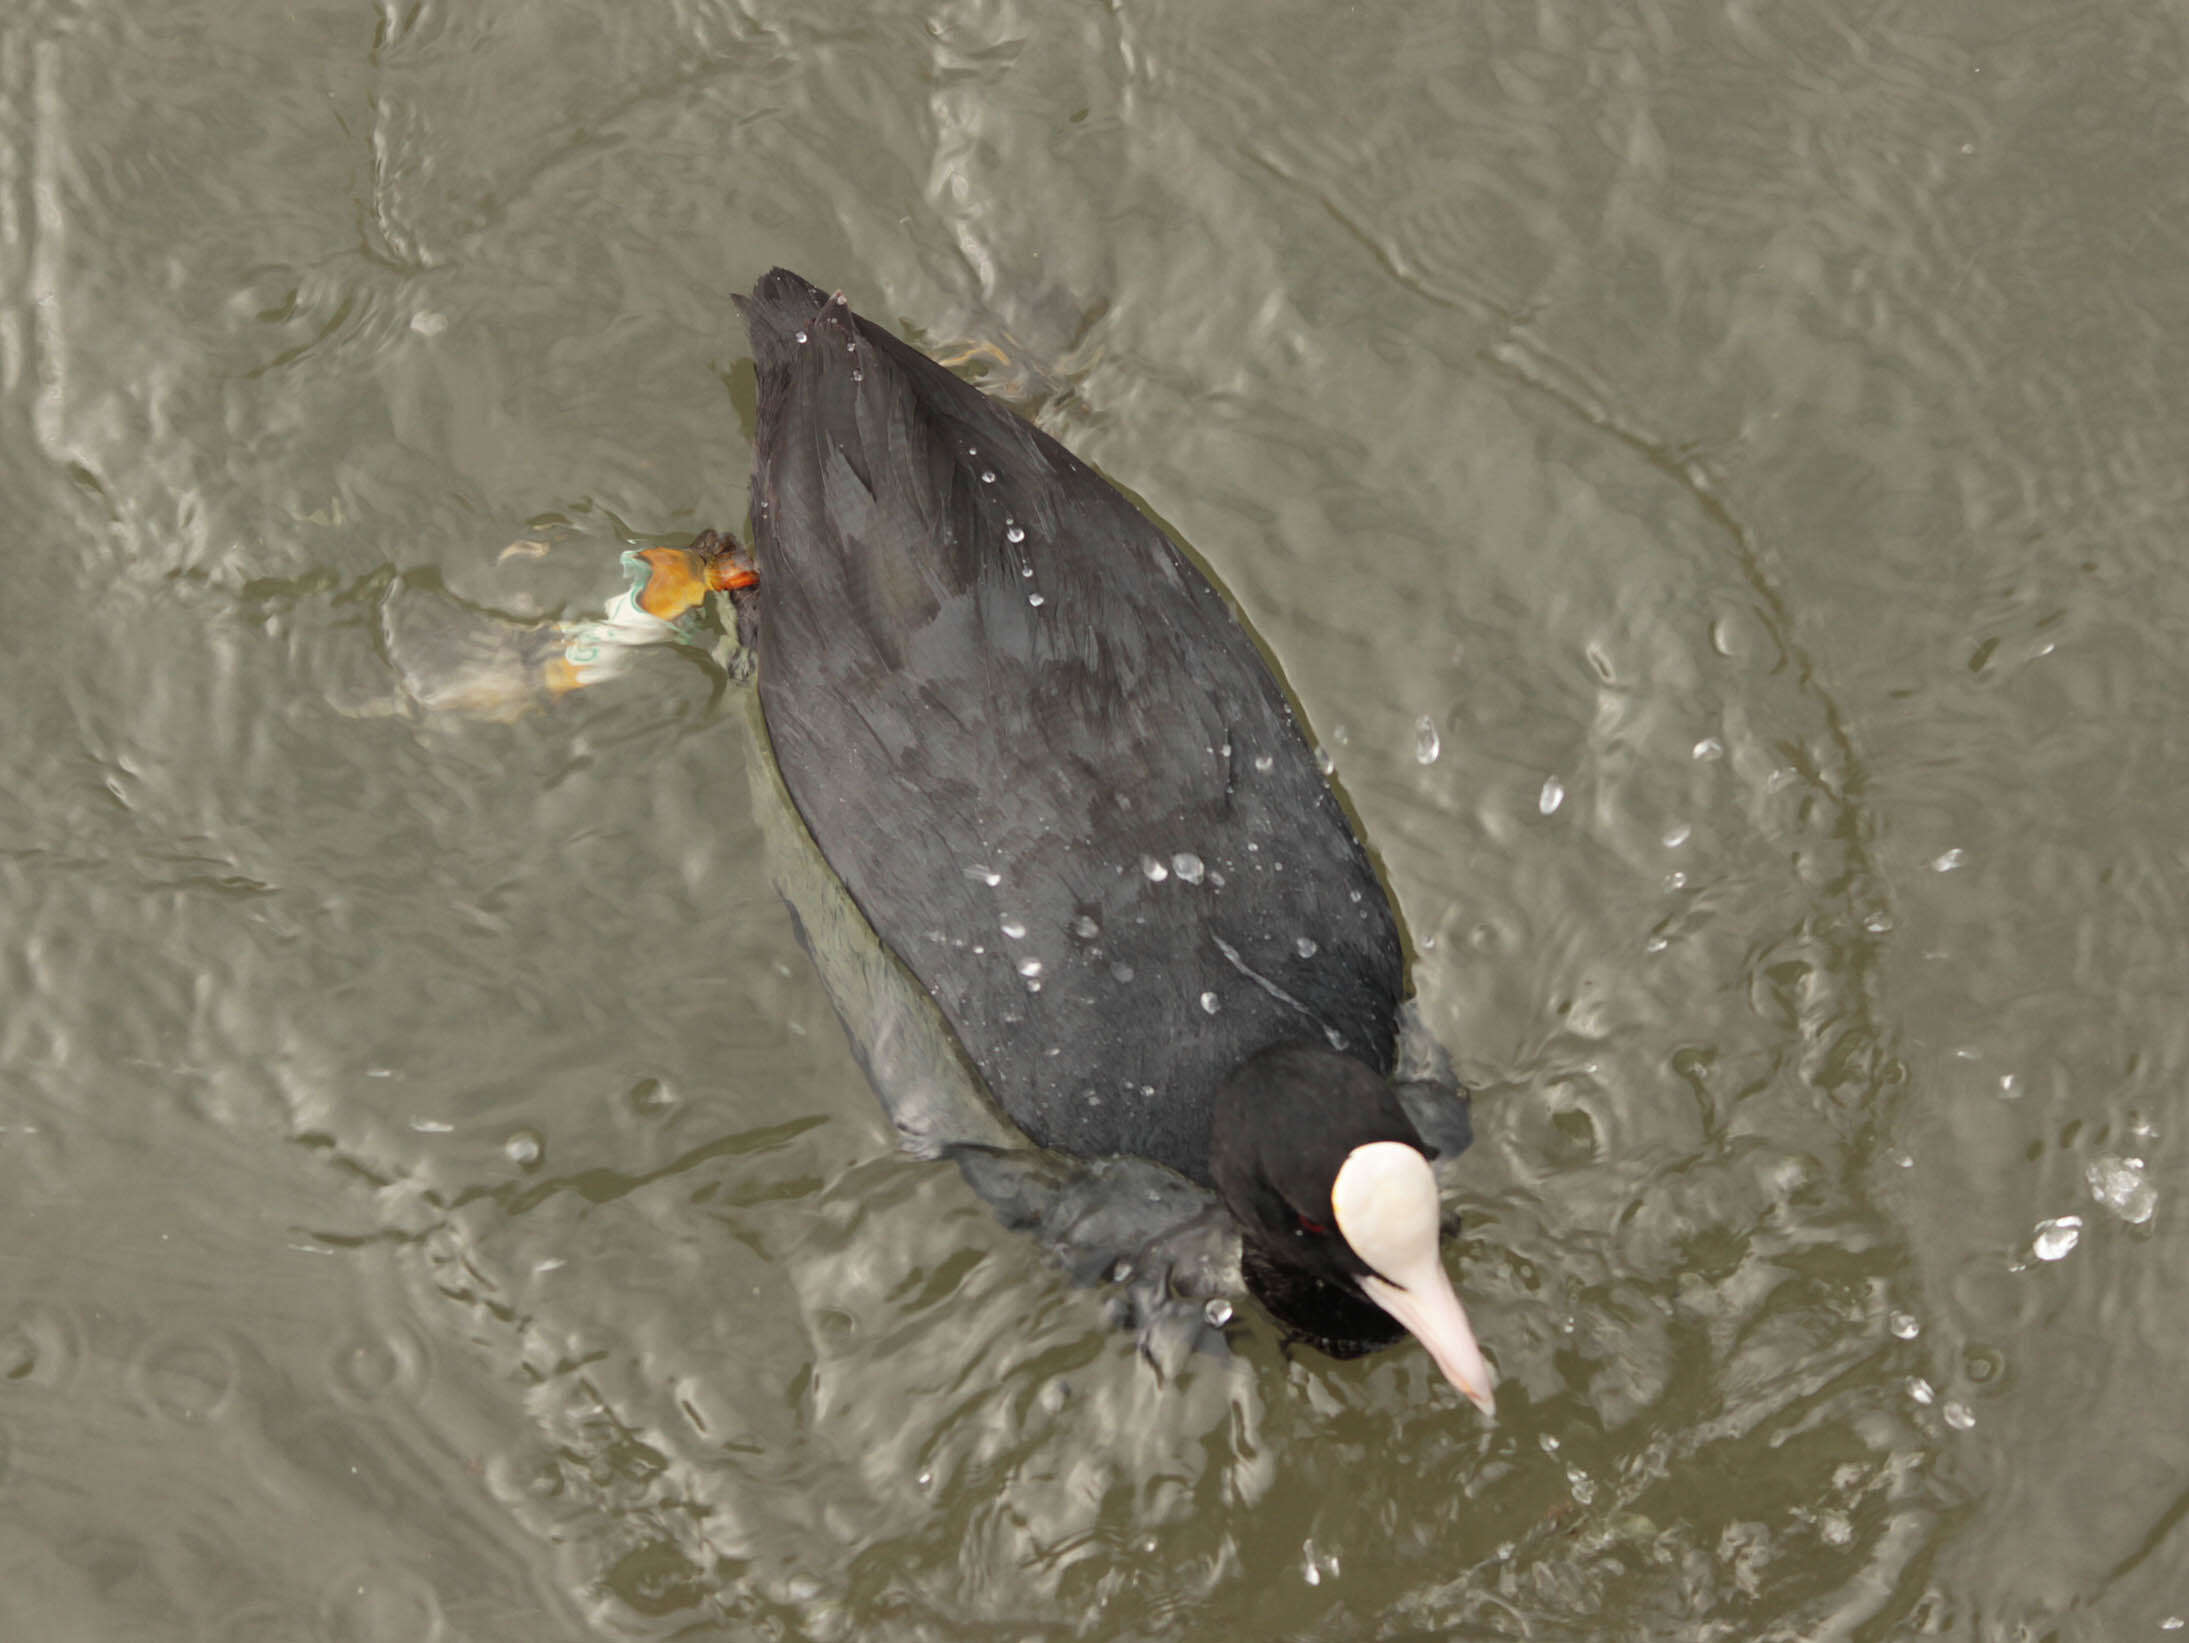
(436, 1199)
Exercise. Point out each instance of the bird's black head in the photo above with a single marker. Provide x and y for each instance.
(1329, 1181)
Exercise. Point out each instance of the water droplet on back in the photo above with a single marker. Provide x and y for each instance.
(1306, 946)
(1155, 870)
(1211, 1003)
(1014, 928)
(1552, 796)
(1029, 967)
(1189, 867)
(1014, 534)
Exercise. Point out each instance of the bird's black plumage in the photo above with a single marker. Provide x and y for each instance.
(1060, 781)
(938, 729)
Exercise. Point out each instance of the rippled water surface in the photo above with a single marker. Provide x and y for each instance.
(1714, 476)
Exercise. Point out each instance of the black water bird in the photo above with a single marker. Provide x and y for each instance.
(1062, 785)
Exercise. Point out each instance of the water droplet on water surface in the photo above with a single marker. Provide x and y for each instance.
(2057, 1238)
(1014, 928)
(1014, 534)
(1427, 744)
(1552, 796)
(1029, 967)
(1904, 1325)
(1189, 867)
(984, 875)
(1210, 1003)
(1155, 870)
(2118, 1184)
(1305, 946)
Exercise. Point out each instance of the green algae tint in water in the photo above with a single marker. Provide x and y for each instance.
(439, 1201)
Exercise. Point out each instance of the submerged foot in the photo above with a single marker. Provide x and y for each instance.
(454, 658)
(1167, 1250)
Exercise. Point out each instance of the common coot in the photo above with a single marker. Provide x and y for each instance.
(1059, 781)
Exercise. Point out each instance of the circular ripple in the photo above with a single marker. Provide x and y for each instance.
(649, 1098)
(1998, 1300)
(535, 1474)
(187, 1378)
(368, 1367)
(38, 1347)
(371, 1605)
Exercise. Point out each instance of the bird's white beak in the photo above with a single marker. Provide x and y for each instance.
(1385, 1201)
